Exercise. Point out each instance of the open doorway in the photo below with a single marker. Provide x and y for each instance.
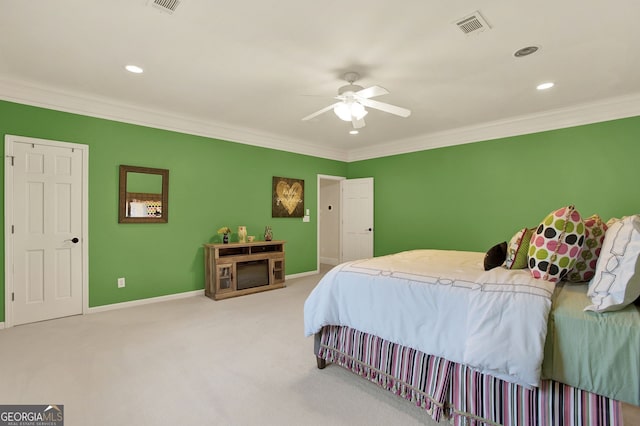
(329, 211)
(345, 220)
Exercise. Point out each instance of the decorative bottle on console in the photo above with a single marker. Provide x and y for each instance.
(242, 234)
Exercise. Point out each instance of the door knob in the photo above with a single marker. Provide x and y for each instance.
(74, 240)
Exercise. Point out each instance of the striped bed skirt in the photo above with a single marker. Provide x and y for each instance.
(446, 389)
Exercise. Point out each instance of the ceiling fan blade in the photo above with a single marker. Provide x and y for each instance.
(371, 92)
(323, 110)
(392, 109)
(357, 124)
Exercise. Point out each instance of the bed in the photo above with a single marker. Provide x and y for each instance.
(476, 346)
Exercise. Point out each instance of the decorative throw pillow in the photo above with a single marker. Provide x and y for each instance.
(518, 248)
(585, 267)
(556, 244)
(617, 278)
(495, 256)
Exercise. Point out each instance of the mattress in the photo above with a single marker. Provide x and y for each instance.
(598, 352)
(441, 303)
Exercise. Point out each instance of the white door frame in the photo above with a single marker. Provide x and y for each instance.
(339, 236)
(9, 141)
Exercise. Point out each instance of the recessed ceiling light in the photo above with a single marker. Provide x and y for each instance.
(525, 51)
(545, 86)
(134, 69)
(353, 132)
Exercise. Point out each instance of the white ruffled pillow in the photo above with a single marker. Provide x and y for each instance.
(617, 278)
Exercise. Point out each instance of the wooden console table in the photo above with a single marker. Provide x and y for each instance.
(236, 269)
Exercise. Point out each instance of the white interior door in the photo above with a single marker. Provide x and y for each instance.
(45, 187)
(357, 219)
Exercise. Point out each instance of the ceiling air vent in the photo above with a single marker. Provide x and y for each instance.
(168, 6)
(473, 23)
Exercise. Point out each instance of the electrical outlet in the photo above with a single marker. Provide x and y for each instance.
(121, 283)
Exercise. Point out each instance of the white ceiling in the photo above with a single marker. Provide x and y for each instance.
(248, 70)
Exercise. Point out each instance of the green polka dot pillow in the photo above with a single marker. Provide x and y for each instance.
(556, 244)
(585, 267)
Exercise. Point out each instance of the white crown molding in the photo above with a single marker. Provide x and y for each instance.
(576, 115)
(52, 98)
(76, 103)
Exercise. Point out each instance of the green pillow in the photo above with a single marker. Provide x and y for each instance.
(518, 248)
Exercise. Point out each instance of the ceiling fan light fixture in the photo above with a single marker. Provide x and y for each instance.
(358, 111)
(343, 111)
(348, 111)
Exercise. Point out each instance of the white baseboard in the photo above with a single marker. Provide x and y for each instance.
(141, 302)
(300, 275)
(1, 325)
(122, 305)
(329, 261)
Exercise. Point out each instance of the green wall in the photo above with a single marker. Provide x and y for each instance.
(470, 197)
(212, 183)
(466, 197)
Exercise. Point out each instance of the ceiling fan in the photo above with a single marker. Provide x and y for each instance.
(353, 100)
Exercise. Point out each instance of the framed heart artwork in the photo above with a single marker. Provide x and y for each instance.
(287, 197)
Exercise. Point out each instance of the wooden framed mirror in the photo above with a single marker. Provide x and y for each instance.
(144, 195)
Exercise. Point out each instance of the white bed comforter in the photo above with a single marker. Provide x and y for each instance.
(442, 303)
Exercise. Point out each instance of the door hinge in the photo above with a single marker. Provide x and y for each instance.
(13, 229)
(13, 296)
(12, 158)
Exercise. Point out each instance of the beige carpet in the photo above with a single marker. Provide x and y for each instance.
(241, 361)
